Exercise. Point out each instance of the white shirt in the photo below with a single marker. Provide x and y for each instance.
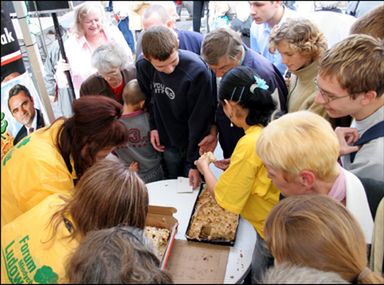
(357, 204)
(326, 21)
(34, 123)
(79, 54)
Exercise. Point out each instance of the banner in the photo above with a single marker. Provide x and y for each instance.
(11, 57)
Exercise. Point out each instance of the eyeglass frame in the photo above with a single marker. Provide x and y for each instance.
(326, 97)
(110, 74)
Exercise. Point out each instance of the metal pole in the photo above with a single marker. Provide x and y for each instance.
(62, 51)
(34, 59)
(41, 31)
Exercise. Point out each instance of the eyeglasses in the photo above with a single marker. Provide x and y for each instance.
(327, 96)
(113, 73)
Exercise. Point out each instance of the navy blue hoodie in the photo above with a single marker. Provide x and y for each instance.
(181, 104)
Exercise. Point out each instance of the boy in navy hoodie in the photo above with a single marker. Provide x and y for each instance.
(180, 98)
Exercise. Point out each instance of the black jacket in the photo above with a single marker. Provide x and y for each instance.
(97, 85)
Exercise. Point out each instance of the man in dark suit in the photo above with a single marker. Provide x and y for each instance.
(22, 108)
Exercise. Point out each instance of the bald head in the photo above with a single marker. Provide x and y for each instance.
(157, 15)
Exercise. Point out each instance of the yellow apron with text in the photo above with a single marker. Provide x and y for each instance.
(29, 253)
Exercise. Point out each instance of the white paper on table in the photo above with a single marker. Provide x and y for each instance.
(183, 185)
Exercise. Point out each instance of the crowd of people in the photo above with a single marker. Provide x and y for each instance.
(298, 112)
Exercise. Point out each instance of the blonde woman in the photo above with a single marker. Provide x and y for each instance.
(89, 31)
(318, 232)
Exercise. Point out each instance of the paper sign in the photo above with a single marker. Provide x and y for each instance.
(183, 185)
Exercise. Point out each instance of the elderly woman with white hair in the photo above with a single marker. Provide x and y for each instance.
(113, 73)
(90, 30)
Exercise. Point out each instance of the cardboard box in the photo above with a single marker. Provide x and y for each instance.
(198, 263)
(162, 217)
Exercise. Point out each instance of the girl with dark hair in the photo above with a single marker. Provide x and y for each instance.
(244, 188)
(107, 195)
(52, 159)
(245, 95)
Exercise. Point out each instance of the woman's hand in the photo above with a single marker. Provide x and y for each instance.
(60, 76)
(202, 163)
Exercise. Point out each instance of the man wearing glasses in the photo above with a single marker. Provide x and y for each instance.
(351, 82)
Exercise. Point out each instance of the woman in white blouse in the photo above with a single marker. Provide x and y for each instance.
(89, 31)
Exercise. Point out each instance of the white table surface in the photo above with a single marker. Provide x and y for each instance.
(164, 193)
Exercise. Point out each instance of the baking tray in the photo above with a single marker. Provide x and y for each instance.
(205, 240)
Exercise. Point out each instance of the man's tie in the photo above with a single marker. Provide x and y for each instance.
(31, 130)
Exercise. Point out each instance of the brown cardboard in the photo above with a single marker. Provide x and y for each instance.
(197, 263)
(162, 217)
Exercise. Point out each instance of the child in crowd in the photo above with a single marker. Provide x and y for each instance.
(244, 187)
(139, 153)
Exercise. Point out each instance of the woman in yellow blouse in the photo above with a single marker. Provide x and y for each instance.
(244, 188)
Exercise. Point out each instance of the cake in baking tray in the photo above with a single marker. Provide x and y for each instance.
(210, 222)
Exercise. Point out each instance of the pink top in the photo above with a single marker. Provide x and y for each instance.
(79, 54)
(339, 188)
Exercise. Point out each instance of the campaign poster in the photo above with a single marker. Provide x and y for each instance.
(12, 72)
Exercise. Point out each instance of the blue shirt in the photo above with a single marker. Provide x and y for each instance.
(259, 40)
(189, 40)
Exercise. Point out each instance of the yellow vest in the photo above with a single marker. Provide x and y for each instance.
(31, 171)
